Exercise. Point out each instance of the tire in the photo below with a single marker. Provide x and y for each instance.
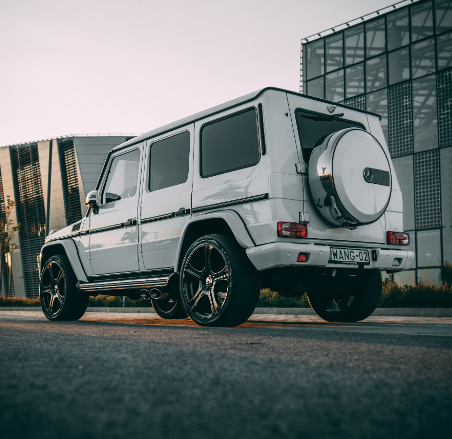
(171, 308)
(365, 301)
(60, 299)
(219, 286)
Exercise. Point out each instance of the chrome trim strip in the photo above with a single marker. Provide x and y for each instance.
(231, 203)
(125, 284)
(165, 216)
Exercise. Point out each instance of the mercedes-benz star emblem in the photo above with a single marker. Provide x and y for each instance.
(368, 176)
(331, 108)
(209, 280)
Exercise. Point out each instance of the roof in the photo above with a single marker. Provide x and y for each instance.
(358, 20)
(70, 136)
(217, 109)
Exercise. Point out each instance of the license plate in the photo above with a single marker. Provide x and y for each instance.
(349, 256)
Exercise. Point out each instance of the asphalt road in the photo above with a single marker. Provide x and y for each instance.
(274, 377)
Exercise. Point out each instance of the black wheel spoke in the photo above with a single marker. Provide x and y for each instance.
(192, 271)
(52, 299)
(52, 277)
(343, 305)
(223, 274)
(193, 302)
(213, 302)
(207, 255)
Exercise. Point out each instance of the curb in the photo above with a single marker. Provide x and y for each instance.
(379, 312)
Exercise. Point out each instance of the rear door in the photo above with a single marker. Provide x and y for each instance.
(166, 196)
(312, 121)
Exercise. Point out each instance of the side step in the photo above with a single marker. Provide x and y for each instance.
(129, 284)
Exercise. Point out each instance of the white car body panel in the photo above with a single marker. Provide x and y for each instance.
(251, 201)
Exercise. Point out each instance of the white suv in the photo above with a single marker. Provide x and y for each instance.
(272, 190)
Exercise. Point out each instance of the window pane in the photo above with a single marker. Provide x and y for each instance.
(230, 144)
(313, 129)
(334, 52)
(354, 45)
(354, 77)
(443, 15)
(421, 21)
(399, 66)
(446, 204)
(444, 44)
(430, 276)
(405, 277)
(375, 37)
(315, 88)
(378, 103)
(404, 171)
(169, 161)
(429, 248)
(423, 58)
(334, 86)
(376, 73)
(425, 114)
(315, 62)
(398, 34)
(122, 178)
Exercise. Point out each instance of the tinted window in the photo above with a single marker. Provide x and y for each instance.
(230, 144)
(398, 29)
(122, 178)
(169, 161)
(313, 129)
(354, 44)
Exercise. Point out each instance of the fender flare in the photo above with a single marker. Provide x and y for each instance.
(71, 252)
(232, 219)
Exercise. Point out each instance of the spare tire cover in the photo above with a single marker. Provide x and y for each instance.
(350, 178)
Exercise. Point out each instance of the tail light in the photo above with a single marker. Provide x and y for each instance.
(292, 230)
(398, 238)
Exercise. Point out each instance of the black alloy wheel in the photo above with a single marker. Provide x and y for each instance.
(219, 285)
(361, 303)
(170, 308)
(60, 299)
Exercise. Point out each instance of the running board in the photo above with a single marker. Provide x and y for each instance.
(125, 284)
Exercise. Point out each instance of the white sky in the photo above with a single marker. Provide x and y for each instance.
(116, 66)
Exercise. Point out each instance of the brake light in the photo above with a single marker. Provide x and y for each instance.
(292, 230)
(399, 238)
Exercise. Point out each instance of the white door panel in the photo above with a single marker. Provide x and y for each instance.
(165, 211)
(114, 229)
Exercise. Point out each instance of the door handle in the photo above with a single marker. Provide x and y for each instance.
(181, 211)
(130, 222)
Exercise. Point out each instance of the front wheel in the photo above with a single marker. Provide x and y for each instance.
(361, 303)
(60, 299)
(219, 285)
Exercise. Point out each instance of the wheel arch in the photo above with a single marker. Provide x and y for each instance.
(225, 222)
(64, 247)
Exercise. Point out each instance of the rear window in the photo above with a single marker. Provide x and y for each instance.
(230, 144)
(169, 161)
(313, 128)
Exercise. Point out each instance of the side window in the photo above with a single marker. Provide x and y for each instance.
(313, 129)
(230, 144)
(169, 161)
(122, 177)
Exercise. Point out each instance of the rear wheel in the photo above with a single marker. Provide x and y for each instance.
(358, 306)
(170, 308)
(60, 299)
(219, 285)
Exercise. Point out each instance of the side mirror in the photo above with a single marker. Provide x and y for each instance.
(92, 199)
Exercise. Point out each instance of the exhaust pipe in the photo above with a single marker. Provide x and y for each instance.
(153, 294)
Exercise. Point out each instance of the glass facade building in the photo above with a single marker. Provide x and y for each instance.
(48, 181)
(398, 63)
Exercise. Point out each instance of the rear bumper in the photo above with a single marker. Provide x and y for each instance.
(281, 254)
